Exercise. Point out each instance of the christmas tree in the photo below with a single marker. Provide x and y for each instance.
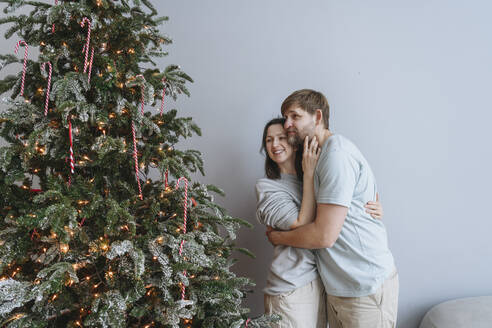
(87, 237)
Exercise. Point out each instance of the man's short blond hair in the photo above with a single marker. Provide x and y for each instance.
(308, 100)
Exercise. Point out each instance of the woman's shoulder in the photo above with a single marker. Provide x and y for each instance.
(266, 183)
(274, 185)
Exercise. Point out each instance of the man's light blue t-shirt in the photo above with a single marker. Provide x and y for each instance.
(360, 260)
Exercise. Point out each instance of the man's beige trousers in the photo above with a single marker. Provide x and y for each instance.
(374, 311)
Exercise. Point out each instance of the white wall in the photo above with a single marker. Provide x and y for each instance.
(408, 82)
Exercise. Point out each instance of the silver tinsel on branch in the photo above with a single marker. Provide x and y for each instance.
(13, 294)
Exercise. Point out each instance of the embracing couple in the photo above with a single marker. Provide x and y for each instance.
(331, 260)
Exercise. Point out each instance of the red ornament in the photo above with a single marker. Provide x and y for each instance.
(34, 233)
(166, 174)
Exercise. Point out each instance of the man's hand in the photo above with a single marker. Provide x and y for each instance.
(375, 208)
(272, 235)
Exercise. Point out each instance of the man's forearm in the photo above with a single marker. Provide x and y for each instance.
(308, 236)
(323, 232)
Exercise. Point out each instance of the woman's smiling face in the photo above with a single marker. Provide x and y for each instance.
(277, 146)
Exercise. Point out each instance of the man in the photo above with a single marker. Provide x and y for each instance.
(353, 258)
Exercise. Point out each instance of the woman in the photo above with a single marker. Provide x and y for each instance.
(286, 200)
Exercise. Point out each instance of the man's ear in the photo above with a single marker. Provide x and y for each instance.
(318, 116)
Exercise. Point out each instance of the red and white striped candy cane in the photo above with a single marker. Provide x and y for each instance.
(89, 63)
(135, 157)
(90, 66)
(53, 26)
(247, 321)
(166, 174)
(183, 288)
(26, 50)
(142, 97)
(47, 87)
(163, 93)
(185, 209)
(72, 161)
(88, 40)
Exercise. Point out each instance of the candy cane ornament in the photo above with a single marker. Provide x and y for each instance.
(142, 97)
(185, 203)
(163, 93)
(90, 66)
(88, 40)
(135, 157)
(183, 288)
(72, 161)
(185, 209)
(26, 51)
(53, 26)
(43, 67)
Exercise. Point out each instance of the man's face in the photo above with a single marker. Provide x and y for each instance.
(298, 124)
